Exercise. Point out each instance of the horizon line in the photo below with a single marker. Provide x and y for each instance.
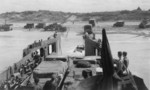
(74, 12)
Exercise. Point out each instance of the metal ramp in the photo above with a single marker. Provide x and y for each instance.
(127, 80)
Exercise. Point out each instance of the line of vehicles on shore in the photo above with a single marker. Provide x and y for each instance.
(60, 28)
(50, 27)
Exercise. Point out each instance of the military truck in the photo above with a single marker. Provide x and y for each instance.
(119, 24)
(144, 24)
(29, 26)
(92, 22)
(55, 27)
(40, 25)
(6, 27)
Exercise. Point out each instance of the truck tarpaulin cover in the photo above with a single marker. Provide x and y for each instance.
(47, 68)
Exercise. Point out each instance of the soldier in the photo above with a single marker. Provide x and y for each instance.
(36, 85)
(118, 63)
(6, 86)
(51, 84)
(55, 34)
(125, 61)
(119, 55)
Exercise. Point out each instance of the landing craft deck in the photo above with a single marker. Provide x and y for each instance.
(77, 70)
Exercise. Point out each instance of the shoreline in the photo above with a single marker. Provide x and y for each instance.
(127, 32)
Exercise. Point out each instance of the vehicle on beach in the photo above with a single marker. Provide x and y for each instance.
(92, 22)
(55, 27)
(6, 27)
(119, 24)
(40, 25)
(29, 26)
(88, 29)
(144, 24)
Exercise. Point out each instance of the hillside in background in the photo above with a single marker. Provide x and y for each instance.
(56, 16)
(35, 16)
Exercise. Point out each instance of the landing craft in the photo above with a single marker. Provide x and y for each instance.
(36, 63)
(99, 73)
(82, 68)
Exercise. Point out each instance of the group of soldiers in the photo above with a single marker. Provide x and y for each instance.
(51, 84)
(35, 44)
(25, 70)
(121, 64)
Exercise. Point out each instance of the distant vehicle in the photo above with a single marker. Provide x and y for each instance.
(29, 26)
(6, 27)
(88, 29)
(144, 24)
(50, 27)
(92, 22)
(55, 27)
(119, 24)
(40, 25)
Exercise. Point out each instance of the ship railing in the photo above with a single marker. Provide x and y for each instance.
(60, 86)
(5, 75)
(36, 45)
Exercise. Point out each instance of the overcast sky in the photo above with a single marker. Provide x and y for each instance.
(72, 5)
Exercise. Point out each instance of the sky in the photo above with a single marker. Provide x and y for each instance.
(72, 5)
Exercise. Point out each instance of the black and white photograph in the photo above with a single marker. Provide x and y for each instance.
(74, 44)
